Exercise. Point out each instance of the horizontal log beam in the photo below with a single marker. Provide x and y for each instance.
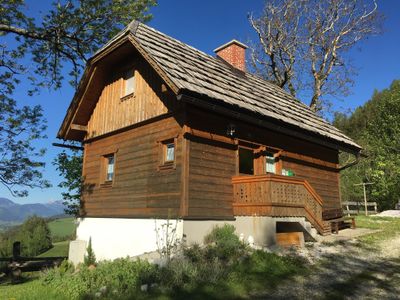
(78, 127)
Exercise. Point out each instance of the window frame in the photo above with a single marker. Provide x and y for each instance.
(124, 95)
(165, 164)
(104, 181)
(259, 159)
(269, 156)
(252, 150)
(276, 154)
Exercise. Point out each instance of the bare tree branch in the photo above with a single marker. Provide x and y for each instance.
(310, 34)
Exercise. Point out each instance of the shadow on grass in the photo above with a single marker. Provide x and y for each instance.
(25, 278)
(350, 273)
(259, 271)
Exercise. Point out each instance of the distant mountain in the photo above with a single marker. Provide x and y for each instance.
(17, 213)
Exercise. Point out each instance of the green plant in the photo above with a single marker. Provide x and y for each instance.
(34, 235)
(166, 238)
(113, 279)
(222, 242)
(90, 257)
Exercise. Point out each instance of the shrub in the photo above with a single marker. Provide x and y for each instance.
(62, 238)
(199, 267)
(265, 270)
(222, 242)
(121, 276)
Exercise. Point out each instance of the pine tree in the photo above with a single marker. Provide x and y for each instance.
(90, 257)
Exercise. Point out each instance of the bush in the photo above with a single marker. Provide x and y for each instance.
(222, 242)
(110, 278)
(262, 270)
(200, 267)
(62, 238)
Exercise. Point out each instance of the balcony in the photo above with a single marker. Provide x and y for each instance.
(278, 196)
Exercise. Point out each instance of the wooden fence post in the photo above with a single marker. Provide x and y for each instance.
(16, 250)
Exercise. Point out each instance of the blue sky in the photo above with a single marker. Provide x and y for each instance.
(206, 25)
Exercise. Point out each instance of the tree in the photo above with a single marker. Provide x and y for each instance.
(302, 45)
(376, 127)
(70, 168)
(90, 258)
(58, 43)
(34, 235)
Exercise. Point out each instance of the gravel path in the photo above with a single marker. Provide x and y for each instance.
(345, 269)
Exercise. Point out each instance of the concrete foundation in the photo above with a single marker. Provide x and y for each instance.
(259, 231)
(118, 237)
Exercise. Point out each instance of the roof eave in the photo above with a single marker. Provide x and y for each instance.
(244, 115)
(71, 111)
(76, 100)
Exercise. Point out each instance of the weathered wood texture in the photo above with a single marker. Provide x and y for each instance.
(311, 162)
(325, 181)
(205, 75)
(275, 195)
(139, 188)
(211, 166)
(150, 99)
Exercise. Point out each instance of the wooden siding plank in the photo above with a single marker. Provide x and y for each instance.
(139, 188)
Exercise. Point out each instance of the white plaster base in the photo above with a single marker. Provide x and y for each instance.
(118, 237)
(259, 231)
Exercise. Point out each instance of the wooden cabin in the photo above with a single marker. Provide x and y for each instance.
(171, 134)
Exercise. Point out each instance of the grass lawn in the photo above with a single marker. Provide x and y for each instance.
(59, 249)
(62, 227)
(30, 289)
(388, 228)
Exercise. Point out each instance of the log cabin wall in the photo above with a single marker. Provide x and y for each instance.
(150, 98)
(140, 187)
(211, 167)
(215, 162)
(133, 129)
(324, 180)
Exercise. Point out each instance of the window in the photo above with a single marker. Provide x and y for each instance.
(270, 163)
(246, 164)
(109, 167)
(129, 83)
(167, 154)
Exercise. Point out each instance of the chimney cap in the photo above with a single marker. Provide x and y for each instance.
(230, 43)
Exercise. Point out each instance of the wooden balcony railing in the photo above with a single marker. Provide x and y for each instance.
(278, 196)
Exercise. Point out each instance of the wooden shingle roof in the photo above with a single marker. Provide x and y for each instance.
(191, 70)
(195, 71)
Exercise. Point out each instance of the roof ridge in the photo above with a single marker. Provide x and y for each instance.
(194, 70)
(215, 59)
(176, 40)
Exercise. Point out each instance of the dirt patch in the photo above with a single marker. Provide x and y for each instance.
(341, 267)
(389, 213)
(391, 248)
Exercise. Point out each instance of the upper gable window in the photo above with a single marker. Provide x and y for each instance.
(128, 88)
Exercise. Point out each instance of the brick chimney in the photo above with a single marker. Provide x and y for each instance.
(233, 53)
